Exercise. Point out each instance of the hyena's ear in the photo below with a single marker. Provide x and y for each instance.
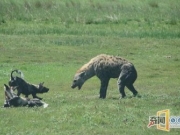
(82, 74)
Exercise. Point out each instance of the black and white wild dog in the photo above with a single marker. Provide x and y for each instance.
(11, 99)
(25, 87)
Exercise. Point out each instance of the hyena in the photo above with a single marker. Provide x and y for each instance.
(105, 67)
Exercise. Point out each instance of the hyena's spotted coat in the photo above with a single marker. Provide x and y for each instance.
(106, 67)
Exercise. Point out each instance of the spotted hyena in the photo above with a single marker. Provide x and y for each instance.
(105, 67)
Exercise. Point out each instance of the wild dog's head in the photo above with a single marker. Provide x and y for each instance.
(9, 92)
(42, 89)
(79, 80)
(12, 99)
(14, 81)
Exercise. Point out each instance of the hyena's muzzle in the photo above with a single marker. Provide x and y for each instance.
(79, 80)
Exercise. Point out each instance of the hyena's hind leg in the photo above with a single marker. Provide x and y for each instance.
(121, 88)
(132, 89)
(126, 78)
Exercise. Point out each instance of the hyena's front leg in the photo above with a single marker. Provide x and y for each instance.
(103, 89)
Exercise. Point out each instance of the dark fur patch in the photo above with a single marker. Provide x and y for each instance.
(26, 88)
(11, 99)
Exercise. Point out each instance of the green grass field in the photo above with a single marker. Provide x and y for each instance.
(48, 40)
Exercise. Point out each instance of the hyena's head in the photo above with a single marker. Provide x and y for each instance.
(79, 80)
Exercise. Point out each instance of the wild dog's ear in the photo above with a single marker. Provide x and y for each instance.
(82, 74)
(41, 84)
(6, 87)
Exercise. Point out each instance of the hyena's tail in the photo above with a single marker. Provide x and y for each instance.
(18, 72)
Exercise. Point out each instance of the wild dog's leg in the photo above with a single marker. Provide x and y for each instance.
(26, 96)
(103, 89)
(19, 92)
(6, 103)
(34, 96)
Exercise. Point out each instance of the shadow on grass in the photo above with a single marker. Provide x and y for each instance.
(127, 97)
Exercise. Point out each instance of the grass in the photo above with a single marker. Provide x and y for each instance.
(50, 40)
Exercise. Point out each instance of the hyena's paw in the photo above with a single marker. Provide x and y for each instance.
(123, 97)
